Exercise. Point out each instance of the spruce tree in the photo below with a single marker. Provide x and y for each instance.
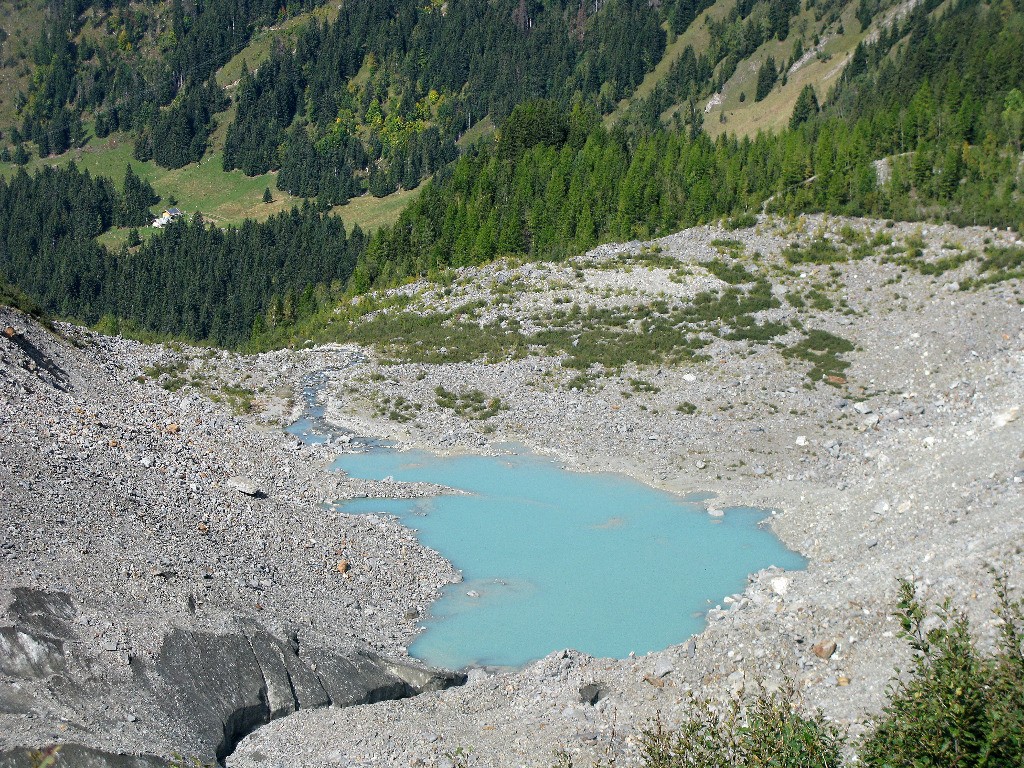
(806, 106)
(766, 77)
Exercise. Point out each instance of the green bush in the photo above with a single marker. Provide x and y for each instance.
(771, 733)
(741, 221)
(472, 404)
(732, 273)
(818, 251)
(959, 708)
(1001, 264)
(12, 296)
(822, 349)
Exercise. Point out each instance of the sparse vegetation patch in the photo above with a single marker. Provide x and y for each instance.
(822, 350)
(471, 403)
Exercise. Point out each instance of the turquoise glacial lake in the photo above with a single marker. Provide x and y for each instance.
(555, 559)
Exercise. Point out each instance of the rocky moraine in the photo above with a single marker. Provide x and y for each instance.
(172, 579)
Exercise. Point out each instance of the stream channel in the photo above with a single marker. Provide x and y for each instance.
(553, 558)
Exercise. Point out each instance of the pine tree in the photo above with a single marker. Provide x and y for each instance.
(1013, 116)
(138, 196)
(806, 106)
(766, 77)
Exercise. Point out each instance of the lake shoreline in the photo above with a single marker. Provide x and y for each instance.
(154, 487)
(884, 476)
(553, 538)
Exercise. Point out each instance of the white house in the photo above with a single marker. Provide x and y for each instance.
(167, 217)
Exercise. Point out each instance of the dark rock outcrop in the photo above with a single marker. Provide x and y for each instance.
(213, 688)
(79, 756)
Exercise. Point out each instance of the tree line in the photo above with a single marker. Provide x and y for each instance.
(941, 94)
(191, 280)
(937, 96)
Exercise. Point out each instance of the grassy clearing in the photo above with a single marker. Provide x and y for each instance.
(696, 35)
(747, 117)
(480, 129)
(116, 237)
(371, 212)
(223, 198)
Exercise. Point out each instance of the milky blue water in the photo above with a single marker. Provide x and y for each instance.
(556, 559)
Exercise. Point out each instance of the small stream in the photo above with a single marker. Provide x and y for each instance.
(558, 559)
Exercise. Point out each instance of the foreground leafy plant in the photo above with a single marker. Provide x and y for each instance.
(771, 732)
(958, 707)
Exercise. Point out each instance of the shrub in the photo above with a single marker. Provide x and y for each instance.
(818, 251)
(822, 349)
(771, 732)
(12, 296)
(958, 708)
(733, 273)
(741, 221)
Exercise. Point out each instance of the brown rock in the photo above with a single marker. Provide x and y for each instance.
(343, 566)
(172, 429)
(657, 682)
(843, 681)
(824, 649)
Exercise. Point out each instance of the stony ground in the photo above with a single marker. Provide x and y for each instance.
(908, 463)
(125, 496)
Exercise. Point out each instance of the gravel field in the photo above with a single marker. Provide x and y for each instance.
(910, 463)
(126, 497)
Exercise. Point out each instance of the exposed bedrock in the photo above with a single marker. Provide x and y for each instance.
(205, 689)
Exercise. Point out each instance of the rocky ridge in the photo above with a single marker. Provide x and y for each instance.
(171, 578)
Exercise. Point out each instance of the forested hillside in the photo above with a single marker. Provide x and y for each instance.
(194, 280)
(925, 121)
(425, 73)
(147, 69)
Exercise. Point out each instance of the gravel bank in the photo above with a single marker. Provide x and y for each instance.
(156, 510)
